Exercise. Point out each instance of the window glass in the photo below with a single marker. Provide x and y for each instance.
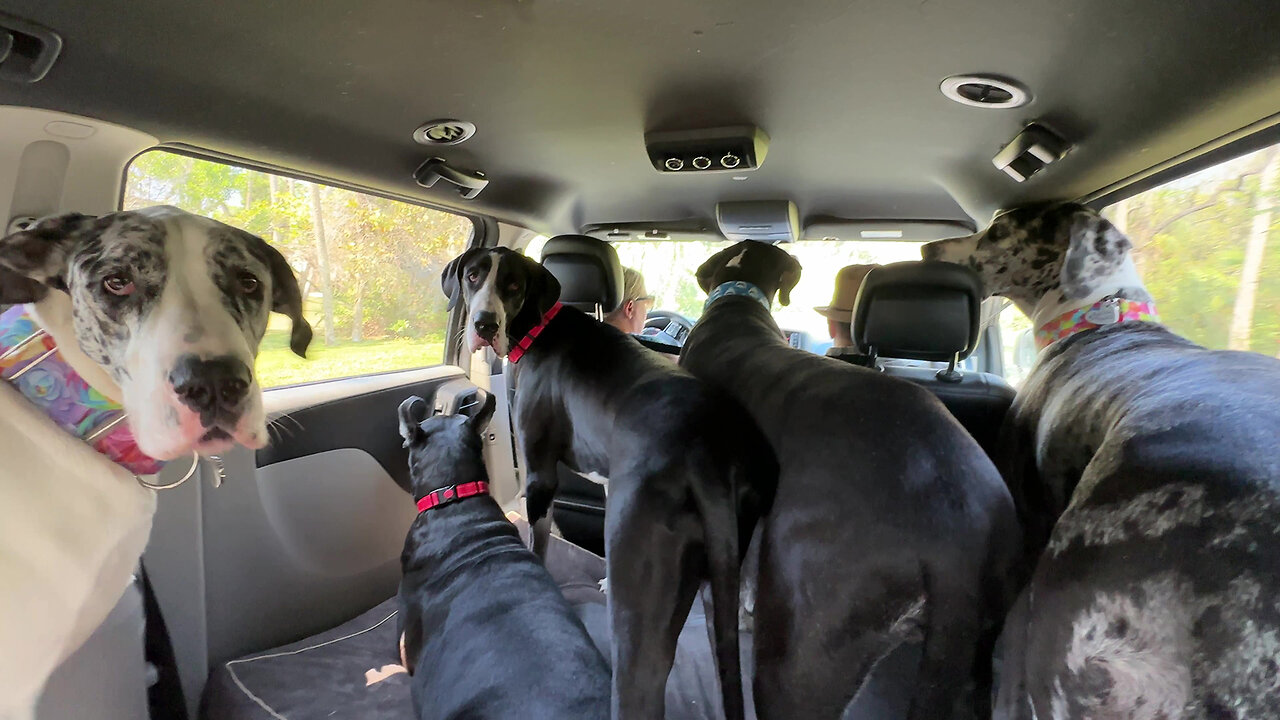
(1208, 248)
(669, 269)
(369, 267)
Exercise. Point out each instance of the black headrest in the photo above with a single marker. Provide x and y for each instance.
(919, 310)
(588, 269)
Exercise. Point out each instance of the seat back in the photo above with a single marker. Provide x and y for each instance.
(588, 270)
(932, 311)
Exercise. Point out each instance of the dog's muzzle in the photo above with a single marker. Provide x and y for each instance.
(214, 389)
(485, 324)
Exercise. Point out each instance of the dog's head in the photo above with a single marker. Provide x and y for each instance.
(444, 449)
(766, 266)
(1032, 251)
(172, 306)
(504, 292)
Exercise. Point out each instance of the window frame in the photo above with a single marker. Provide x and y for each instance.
(484, 232)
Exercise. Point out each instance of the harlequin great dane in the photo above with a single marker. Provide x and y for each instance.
(156, 316)
(1145, 469)
(890, 523)
(689, 474)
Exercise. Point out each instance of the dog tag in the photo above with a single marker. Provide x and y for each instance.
(1106, 312)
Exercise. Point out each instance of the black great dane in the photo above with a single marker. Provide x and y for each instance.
(485, 631)
(688, 473)
(890, 522)
(1146, 469)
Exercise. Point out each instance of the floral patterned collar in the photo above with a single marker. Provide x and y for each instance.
(31, 364)
(1107, 311)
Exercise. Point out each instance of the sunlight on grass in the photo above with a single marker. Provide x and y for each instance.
(278, 366)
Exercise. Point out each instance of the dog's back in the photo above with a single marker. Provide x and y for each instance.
(1145, 466)
(487, 633)
(883, 500)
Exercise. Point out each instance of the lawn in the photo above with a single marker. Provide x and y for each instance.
(277, 365)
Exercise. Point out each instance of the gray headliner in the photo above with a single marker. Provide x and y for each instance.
(563, 90)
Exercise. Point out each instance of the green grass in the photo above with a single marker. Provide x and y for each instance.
(277, 365)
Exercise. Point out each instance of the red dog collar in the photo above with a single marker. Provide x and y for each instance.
(523, 346)
(453, 493)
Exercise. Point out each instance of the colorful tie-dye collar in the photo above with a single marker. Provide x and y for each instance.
(31, 364)
(1107, 311)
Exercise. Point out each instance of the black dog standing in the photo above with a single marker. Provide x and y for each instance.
(689, 473)
(486, 632)
(890, 521)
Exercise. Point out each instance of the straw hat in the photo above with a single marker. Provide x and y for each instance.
(848, 281)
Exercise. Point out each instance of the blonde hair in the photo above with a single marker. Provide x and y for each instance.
(632, 285)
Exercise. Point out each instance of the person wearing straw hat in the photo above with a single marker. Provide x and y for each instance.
(839, 313)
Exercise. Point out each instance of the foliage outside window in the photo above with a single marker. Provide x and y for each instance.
(369, 267)
(1208, 248)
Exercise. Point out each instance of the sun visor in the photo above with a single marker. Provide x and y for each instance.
(773, 221)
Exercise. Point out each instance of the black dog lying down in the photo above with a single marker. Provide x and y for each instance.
(689, 473)
(1145, 468)
(486, 632)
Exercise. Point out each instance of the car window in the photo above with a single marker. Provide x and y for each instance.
(369, 267)
(669, 269)
(1207, 247)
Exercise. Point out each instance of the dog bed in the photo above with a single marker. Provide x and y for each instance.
(352, 671)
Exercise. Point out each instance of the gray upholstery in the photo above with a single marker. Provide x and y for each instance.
(588, 270)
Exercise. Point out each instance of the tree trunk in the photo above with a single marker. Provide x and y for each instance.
(272, 181)
(1255, 249)
(357, 315)
(322, 260)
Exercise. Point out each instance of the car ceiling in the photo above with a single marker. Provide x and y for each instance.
(562, 92)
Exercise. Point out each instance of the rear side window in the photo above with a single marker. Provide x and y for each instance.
(369, 267)
(1208, 248)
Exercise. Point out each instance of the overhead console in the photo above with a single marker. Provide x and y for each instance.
(739, 148)
(774, 221)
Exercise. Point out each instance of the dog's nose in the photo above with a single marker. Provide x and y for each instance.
(486, 324)
(211, 387)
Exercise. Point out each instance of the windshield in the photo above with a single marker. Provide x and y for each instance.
(669, 266)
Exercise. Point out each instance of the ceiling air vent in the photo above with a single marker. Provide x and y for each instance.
(985, 91)
(27, 51)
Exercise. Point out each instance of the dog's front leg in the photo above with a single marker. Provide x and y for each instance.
(542, 452)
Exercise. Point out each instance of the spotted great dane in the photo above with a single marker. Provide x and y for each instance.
(1145, 469)
(160, 313)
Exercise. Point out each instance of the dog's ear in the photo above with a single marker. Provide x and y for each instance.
(1095, 249)
(542, 287)
(412, 413)
(39, 254)
(790, 277)
(451, 276)
(286, 298)
(482, 413)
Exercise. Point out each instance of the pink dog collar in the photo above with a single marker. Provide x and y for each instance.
(1107, 311)
(31, 364)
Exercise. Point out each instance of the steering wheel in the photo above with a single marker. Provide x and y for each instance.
(657, 322)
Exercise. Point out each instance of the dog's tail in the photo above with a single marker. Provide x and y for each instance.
(724, 564)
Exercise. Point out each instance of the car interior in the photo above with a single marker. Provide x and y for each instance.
(591, 136)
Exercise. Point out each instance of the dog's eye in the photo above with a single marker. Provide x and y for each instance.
(513, 287)
(473, 276)
(248, 283)
(118, 284)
